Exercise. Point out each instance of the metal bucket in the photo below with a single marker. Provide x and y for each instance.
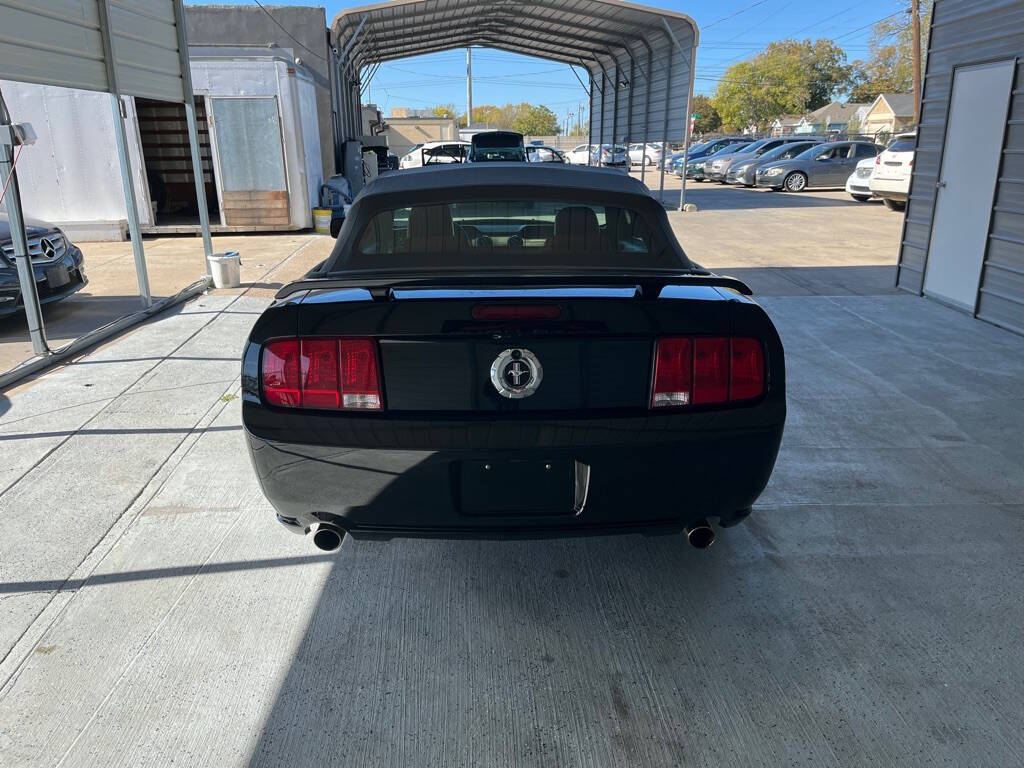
(226, 269)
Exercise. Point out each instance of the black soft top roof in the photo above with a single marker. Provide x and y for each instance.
(458, 178)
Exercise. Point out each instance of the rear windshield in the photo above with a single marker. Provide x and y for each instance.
(509, 234)
(901, 145)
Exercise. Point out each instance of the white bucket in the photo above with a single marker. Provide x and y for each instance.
(322, 220)
(226, 269)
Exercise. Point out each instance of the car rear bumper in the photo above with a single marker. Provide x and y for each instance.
(538, 478)
(892, 189)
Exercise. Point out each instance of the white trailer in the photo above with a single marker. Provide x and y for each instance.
(259, 144)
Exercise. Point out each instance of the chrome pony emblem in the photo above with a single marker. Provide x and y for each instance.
(516, 373)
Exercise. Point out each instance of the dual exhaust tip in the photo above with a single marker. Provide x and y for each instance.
(328, 537)
(700, 535)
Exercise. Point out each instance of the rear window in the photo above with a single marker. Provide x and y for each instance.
(901, 145)
(509, 233)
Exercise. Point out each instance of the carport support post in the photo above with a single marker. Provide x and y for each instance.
(689, 107)
(121, 140)
(664, 128)
(121, 137)
(647, 117)
(16, 219)
(193, 134)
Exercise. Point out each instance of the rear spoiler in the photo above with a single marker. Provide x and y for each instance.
(381, 287)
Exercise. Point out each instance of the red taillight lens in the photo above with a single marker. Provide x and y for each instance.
(707, 371)
(673, 373)
(878, 159)
(280, 373)
(710, 371)
(746, 380)
(321, 373)
(360, 387)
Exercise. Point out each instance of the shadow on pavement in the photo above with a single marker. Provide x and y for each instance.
(711, 196)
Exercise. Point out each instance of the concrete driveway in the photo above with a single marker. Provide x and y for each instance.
(869, 613)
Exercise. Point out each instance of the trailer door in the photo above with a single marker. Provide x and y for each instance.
(251, 157)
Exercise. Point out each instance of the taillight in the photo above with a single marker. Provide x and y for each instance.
(707, 371)
(327, 374)
(878, 159)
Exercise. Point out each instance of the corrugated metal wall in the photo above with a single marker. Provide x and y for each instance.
(58, 42)
(654, 81)
(967, 32)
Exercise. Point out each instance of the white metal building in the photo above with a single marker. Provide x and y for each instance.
(259, 143)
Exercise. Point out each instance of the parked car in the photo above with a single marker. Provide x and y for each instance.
(640, 154)
(57, 265)
(702, 150)
(581, 155)
(540, 154)
(894, 166)
(497, 147)
(719, 169)
(435, 153)
(858, 186)
(482, 361)
(698, 169)
(743, 171)
(826, 165)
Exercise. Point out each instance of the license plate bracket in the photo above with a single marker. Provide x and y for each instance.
(58, 276)
(517, 487)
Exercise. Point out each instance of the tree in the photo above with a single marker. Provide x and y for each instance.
(443, 110)
(787, 77)
(536, 121)
(709, 119)
(890, 64)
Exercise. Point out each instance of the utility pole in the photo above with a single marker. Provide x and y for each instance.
(469, 87)
(915, 22)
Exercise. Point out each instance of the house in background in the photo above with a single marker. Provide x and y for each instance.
(785, 125)
(889, 113)
(832, 118)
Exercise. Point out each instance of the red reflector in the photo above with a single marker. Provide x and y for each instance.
(320, 373)
(360, 387)
(517, 312)
(673, 373)
(280, 373)
(710, 371)
(747, 377)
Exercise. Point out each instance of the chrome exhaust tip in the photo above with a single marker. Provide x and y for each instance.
(700, 535)
(328, 537)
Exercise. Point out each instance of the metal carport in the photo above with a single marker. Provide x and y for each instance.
(639, 60)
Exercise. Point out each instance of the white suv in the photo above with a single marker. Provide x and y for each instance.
(893, 167)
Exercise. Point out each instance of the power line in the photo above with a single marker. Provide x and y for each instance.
(294, 39)
(737, 13)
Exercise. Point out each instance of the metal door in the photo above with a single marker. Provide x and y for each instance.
(252, 170)
(978, 108)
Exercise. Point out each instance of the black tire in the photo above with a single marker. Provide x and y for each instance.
(795, 182)
(861, 198)
(894, 205)
(336, 227)
(648, 161)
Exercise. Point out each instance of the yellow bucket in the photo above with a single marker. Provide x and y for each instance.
(322, 220)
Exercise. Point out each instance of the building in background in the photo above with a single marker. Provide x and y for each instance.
(409, 112)
(259, 145)
(889, 114)
(406, 132)
(963, 235)
(300, 30)
(832, 118)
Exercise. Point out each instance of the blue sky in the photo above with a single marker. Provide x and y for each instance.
(730, 30)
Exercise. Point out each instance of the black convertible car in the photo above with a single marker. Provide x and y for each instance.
(511, 349)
